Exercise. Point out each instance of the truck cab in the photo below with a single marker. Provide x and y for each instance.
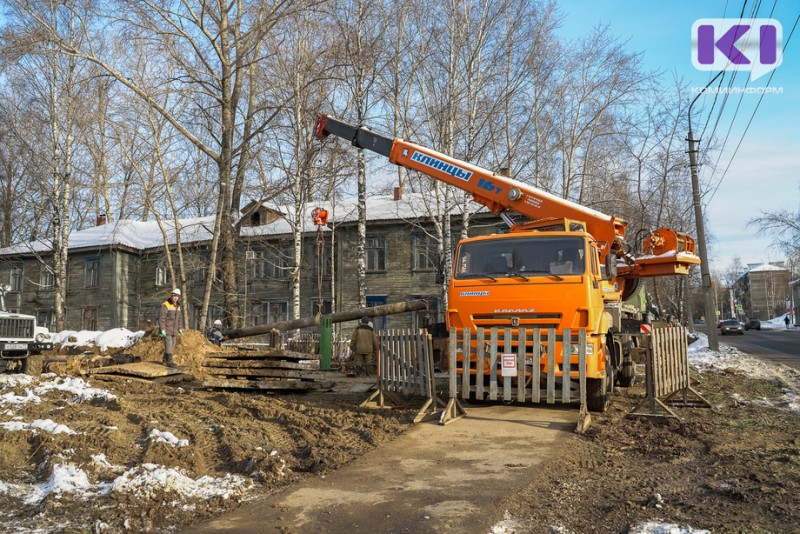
(21, 342)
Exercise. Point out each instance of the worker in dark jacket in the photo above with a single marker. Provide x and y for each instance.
(215, 334)
(170, 324)
(364, 346)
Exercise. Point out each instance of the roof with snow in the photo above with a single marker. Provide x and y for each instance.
(143, 235)
(767, 267)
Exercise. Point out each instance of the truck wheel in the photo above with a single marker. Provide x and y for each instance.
(597, 396)
(32, 365)
(627, 375)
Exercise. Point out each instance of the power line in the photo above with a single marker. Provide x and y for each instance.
(736, 150)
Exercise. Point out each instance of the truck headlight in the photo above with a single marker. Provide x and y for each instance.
(41, 337)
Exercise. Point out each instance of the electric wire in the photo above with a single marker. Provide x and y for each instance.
(752, 116)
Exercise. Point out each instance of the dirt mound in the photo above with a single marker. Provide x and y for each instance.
(192, 349)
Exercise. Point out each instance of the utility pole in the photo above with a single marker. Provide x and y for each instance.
(711, 308)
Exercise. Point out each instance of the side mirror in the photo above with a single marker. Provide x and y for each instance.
(611, 266)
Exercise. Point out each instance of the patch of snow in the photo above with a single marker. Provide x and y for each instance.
(75, 385)
(64, 479)
(48, 425)
(118, 338)
(149, 479)
(653, 527)
(11, 381)
(168, 437)
(12, 398)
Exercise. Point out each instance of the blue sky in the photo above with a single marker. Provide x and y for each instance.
(763, 175)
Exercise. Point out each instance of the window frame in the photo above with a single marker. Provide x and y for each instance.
(17, 277)
(427, 252)
(91, 276)
(375, 253)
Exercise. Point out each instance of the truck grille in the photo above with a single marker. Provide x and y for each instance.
(16, 328)
(501, 320)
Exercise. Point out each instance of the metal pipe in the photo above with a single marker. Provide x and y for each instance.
(386, 309)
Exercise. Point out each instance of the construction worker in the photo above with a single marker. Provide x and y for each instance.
(364, 346)
(215, 334)
(170, 324)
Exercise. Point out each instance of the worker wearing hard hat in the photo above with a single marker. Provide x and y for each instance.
(170, 324)
(214, 334)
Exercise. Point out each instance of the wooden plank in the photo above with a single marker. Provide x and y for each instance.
(522, 349)
(551, 365)
(493, 366)
(271, 373)
(275, 385)
(566, 360)
(275, 354)
(507, 348)
(142, 369)
(536, 376)
(259, 364)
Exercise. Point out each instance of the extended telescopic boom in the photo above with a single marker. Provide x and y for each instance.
(667, 252)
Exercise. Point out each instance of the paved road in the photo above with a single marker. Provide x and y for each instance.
(436, 479)
(780, 346)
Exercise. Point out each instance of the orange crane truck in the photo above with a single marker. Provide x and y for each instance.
(566, 267)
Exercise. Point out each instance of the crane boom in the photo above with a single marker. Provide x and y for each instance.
(667, 252)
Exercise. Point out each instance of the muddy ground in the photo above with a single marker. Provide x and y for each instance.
(734, 467)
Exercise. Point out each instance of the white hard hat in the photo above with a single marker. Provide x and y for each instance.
(176, 291)
(217, 323)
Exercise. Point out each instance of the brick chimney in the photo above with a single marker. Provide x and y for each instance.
(101, 219)
(398, 193)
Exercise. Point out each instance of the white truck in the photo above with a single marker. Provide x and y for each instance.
(21, 341)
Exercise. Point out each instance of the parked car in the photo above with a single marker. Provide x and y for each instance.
(753, 323)
(731, 326)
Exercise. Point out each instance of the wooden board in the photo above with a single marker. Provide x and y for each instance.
(142, 369)
(274, 354)
(274, 385)
(171, 379)
(272, 373)
(258, 364)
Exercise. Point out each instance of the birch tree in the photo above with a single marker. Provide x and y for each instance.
(216, 49)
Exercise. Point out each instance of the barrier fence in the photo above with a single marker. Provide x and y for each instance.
(405, 367)
(521, 365)
(667, 374)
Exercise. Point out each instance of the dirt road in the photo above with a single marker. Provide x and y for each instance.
(434, 478)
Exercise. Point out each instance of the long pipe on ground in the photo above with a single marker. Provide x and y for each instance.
(386, 309)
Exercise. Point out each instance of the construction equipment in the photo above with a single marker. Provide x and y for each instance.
(566, 267)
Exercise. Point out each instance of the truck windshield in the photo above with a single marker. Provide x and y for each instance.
(521, 256)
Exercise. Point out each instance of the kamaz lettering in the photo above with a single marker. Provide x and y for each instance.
(439, 165)
(474, 293)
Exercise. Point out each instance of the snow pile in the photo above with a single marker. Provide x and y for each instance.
(663, 528)
(728, 357)
(118, 338)
(48, 425)
(777, 323)
(148, 480)
(75, 385)
(167, 437)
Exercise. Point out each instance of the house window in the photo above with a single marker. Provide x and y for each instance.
(426, 253)
(46, 317)
(268, 312)
(375, 248)
(271, 263)
(214, 313)
(91, 277)
(90, 319)
(161, 273)
(17, 276)
(47, 279)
